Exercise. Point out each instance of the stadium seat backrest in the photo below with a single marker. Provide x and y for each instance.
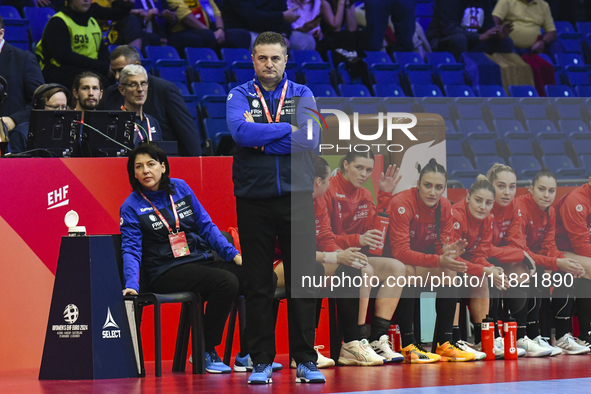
(231, 55)
(461, 163)
(525, 165)
(38, 18)
(501, 108)
(306, 56)
(201, 89)
(536, 126)
(468, 126)
(569, 126)
(438, 105)
(454, 147)
(375, 57)
(583, 90)
(320, 74)
(504, 126)
(534, 108)
(183, 88)
(174, 74)
(211, 72)
(490, 91)
(322, 90)
(482, 143)
(195, 54)
(214, 106)
(156, 53)
(215, 129)
(485, 162)
(564, 27)
(569, 59)
(437, 58)
(404, 58)
(399, 104)
(520, 144)
(523, 91)
(585, 162)
(557, 162)
(552, 144)
(469, 108)
(388, 90)
(354, 90)
(458, 91)
(9, 12)
(578, 77)
(558, 91)
(426, 90)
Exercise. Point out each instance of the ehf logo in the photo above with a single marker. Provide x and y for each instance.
(57, 198)
(71, 313)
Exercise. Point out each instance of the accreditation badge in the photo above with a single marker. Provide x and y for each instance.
(178, 243)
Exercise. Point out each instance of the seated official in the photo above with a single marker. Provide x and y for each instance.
(166, 230)
(50, 97)
(87, 92)
(133, 85)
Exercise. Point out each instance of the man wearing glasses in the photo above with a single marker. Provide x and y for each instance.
(133, 85)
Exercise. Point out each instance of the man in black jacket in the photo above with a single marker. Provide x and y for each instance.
(467, 25)
(164, 102)
(21, 71)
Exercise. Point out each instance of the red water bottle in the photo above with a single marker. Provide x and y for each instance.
(394, 336)
(380, 222)
(488, 338)
(510, 329)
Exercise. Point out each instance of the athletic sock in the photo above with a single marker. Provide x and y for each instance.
(405, 316)
(348, 312)
(379, 327)
(562, 306)
(362, 331)
(477, 332)
(456, 333)
(516, 308)
(445, 307)
(533, 317)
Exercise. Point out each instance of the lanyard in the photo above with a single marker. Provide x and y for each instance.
(149, 131)
(176, 216)
(278, 113)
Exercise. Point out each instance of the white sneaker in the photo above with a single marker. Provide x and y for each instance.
(532, 349)
(569, 345)
(357, 353)
(499, 348)
(583, 342)
(323, 362)
(543, 342)
(468, 347)
(383, 347)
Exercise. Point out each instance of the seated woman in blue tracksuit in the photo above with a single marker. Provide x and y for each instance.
(166, 229)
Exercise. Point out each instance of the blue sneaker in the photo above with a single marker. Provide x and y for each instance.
(308, 373)
(213, 363)
(261, 374)
(244, 364)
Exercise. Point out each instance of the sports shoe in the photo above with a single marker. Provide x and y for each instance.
(499, 349)
(415, 354)
(383, 347)
(449, 351)
(543, 342)
(356, 353)
(569, 345)
(261, 374)
(244, 364)
(322, 362)
(308, 373)
(532, 349)
(584, 340)
(213, 363)
(468, 347)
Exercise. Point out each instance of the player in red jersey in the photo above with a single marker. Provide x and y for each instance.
(538, 221)
(573, 235)
(351, 210)
(420, 218)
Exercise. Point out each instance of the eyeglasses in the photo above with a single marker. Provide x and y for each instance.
(136, 86)
(56, 107)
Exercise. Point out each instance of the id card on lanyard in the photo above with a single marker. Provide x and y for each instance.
(264, 103)
(178, 241)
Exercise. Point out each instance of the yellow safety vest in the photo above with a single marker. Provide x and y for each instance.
(85, 40)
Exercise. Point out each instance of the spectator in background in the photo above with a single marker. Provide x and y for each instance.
(71, 44)
(306, 29)
(119, 24)
(195, 28)
(258, 16)
(164, 102)
(133, 87)
(87, 92)
(528, 17)
(467, 25)
(402, 13)
(22, 73)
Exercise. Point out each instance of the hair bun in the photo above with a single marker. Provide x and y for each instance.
(433, 161)
(481, 177)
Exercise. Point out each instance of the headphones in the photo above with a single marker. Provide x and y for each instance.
(3, 90)
(39, 100)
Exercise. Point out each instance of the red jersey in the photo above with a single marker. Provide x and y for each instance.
(351, 211)
(324, 236)
(478, 234)
(573, 221)
(538, 227)
(508, 243)
(413, 230)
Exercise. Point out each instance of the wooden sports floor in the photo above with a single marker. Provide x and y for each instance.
(561, 374)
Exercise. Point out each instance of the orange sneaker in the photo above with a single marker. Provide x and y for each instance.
(450, 352)
(415, 354)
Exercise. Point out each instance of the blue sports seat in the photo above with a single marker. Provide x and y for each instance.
(490, 91)
(523, 91)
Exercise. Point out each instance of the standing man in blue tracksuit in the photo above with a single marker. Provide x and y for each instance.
(273, 178)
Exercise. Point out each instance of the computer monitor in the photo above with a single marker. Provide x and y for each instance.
(55, 132)
(118, 125)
